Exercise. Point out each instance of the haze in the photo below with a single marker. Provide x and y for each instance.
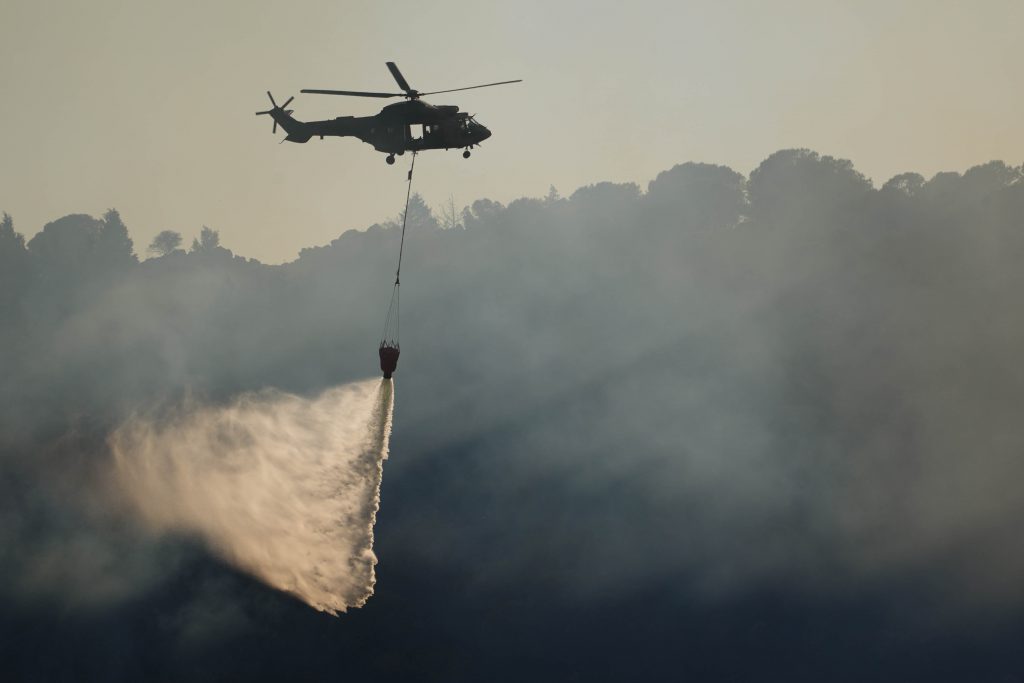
(148, 107)
(732, 427)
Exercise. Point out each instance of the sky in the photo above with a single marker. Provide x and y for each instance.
(148, 107)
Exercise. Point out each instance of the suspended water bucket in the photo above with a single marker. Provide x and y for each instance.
(388, 358)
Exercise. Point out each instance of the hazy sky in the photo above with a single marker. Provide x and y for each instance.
(148, 107)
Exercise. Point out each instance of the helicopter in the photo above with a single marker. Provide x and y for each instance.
(392, 130)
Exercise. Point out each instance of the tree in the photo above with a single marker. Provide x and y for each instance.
(420, 216)
(907, 184)
(694, 195)
(605, 204)
(209, 239)
(482, 212)
(165, 243)
(113, 241)
(67, 249)
(13, 265)
(449, 218)
(10, 241)
(798, 187)
(74, 257)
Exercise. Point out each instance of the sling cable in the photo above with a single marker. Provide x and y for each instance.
(389, 348)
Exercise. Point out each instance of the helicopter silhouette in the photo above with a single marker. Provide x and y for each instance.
(392, 130)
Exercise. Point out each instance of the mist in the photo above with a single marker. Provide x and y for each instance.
(283, 487)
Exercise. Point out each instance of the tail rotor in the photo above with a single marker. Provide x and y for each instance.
(276, 108)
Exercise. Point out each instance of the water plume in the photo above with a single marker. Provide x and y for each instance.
(283, 487)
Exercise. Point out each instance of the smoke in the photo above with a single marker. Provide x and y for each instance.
(283, 487)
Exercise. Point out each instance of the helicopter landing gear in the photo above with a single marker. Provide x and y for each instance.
(390, 159)
(465, 155)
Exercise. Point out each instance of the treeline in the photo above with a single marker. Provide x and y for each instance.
(835, 356)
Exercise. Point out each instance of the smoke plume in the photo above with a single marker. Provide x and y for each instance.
(284, 487)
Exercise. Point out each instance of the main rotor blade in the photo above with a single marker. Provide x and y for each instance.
(472, 87)
(398, 77)
(354, 93)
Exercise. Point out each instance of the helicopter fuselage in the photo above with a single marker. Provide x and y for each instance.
(409, 126)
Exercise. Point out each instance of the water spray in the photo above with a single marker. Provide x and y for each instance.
(283, 487)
